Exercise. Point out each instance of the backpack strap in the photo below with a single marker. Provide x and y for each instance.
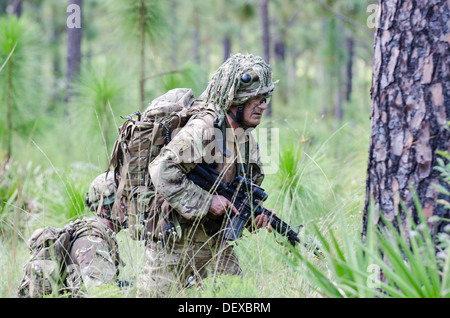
(221, 140)
(119, 191)
(243, 167)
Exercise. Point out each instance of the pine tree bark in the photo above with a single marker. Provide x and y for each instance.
(410, 110)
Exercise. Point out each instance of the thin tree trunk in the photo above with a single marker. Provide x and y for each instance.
(349, 68)
(55, 44)
(265, 30)
(196, 36)
(410, 110)
(142, 25)
(17, 7)
(266, 41)
(174, 38)
(338, 111)
(226, 47)
(74, 35)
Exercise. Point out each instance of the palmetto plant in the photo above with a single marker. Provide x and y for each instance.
(388, 263)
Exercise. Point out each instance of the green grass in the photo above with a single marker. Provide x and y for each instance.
(388, 263)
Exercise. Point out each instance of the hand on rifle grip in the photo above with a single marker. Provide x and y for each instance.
(263, 221)
(219, 206)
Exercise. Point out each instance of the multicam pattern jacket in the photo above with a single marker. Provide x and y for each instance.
(197, 142)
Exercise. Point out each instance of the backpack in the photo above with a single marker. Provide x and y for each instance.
(140, 139)
(44, 270)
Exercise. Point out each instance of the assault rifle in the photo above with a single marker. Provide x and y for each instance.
(247, 197)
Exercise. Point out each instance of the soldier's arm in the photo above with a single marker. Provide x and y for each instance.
(168, 172)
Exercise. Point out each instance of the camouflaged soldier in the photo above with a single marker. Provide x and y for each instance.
(93, 257)
(234, 102)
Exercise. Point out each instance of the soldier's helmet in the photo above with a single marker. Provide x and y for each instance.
(251, 85)
(103, 187)
(238, 79)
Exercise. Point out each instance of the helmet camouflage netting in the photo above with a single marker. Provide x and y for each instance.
(238, 79)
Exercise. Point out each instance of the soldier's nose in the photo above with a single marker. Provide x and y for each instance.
(263, 104)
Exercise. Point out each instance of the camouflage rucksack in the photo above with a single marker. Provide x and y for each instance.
(45, 269)
(140, 139)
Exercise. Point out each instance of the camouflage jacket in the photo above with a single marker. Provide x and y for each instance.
(199, 142)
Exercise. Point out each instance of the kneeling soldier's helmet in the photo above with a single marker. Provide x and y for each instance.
(102, 189)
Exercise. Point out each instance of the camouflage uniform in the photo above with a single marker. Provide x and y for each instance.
(197, 250)
(93, 257)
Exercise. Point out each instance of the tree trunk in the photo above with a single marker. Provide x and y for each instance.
(266, 41)
(196, 49)
(280, 49)
(265, 30)
(349, 68)
(17, 7)
(226, 43)
(174, 37)
(338, 108)
(74, 33)
(142, 26)
(410, 110)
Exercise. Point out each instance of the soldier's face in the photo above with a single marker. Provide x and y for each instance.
(253, 111)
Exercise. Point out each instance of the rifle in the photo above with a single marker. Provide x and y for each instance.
(247, 197)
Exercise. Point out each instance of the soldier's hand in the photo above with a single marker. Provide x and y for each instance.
(220, 205)
(263, 221)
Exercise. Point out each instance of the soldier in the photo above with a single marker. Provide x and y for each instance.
(87, 249)
(233, 102)
(94, 257)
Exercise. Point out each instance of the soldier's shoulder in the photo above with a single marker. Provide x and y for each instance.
(204, 119)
